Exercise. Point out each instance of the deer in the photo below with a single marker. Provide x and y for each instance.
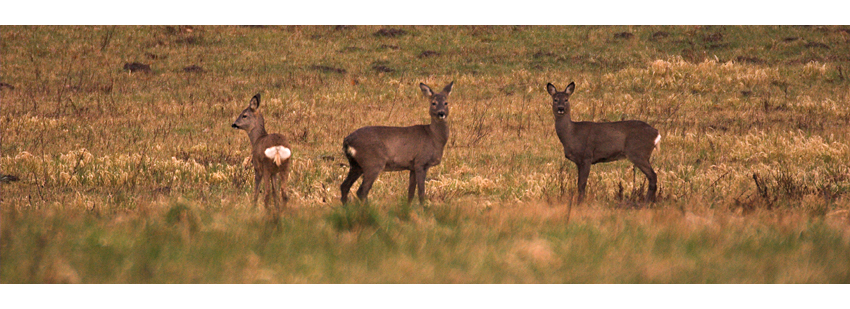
(374, 149)
(270, 154)
(587, 143)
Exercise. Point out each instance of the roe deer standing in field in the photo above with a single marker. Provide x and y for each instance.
(587, 143)
(270, 153)
(371, 150)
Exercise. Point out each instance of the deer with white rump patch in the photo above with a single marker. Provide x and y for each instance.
(371, 150)
(587, 143)
(270, 153)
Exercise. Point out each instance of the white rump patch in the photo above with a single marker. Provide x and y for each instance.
(657, 139)
(278, 154)
(351, 151)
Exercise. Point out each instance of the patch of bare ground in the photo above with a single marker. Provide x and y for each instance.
(659, 35)
(137, 67)
(328, 69)
(390, 32)
(816, 45)
(748, 59)
(428, 53)
(382, 67)
(194, 69)
(623, 35)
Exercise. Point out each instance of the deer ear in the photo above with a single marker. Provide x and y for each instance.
(570, 88)
(551, 89)
(448, 88)
(426, 90)
(255, 102)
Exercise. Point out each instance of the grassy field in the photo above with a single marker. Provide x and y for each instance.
(137, 177)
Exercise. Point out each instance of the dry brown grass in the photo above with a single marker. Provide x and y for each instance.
(141, 173)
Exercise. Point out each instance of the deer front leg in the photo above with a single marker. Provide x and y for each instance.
(583, 173)
(420, 182)
(258, 177)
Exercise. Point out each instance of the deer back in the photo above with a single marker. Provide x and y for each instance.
(400, 148)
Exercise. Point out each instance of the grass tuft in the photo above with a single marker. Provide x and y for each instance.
(354, 217)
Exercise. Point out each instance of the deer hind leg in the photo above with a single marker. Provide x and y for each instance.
(268, 187)
(353, 173)
(644, 166)
(411, 188)
(274, 179)
(273, 212)
(369, 177)
(284, 178)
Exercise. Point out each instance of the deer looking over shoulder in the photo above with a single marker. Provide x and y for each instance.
(269, 155)
(587, 143)
(371, 150)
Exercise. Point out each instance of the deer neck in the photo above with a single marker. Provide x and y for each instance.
(440, 129)
(564, 126)
(256, 133)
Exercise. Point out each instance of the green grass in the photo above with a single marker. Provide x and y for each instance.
(139, 178)
(442, 244)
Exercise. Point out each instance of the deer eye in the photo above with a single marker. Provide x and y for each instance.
(244, 116)
(433, 103)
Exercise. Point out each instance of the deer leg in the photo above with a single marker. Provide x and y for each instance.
(273, 180)
(284, 177)
(271, 184)
(268, 184)
(647, 170)
(583, 173)
(420, 182)
(258, 177)
(411, 188)
(369, 178)
(353, 173)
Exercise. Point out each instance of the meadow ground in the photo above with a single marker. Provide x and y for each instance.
(137, 177)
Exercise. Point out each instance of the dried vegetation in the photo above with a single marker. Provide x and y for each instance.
(131, 173)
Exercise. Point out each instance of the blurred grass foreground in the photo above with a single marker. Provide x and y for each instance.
(128, 170)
